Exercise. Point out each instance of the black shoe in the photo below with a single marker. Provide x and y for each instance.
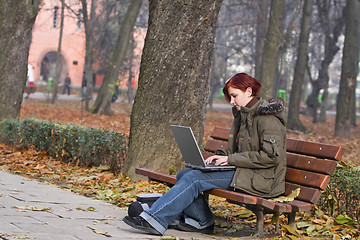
(188, 228)
(141, 224)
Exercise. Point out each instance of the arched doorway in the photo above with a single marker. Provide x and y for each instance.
(48, 67)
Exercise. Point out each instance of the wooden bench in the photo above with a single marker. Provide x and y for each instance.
(309, 166)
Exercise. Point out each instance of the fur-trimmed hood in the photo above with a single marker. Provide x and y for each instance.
(273, 107)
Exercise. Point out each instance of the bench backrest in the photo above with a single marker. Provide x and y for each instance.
(309, 164)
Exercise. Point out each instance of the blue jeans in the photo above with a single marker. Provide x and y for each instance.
(186, 197)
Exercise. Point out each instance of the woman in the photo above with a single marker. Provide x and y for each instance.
(256, 146)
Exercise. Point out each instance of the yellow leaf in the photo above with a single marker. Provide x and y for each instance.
(32, 208)
(89, 209)
(288, 198)
(291, 230)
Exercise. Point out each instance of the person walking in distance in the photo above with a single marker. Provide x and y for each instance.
(67, 84)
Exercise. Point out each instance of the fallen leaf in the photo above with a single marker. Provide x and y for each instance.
(14, 235)
(33, 208)
(99, 232)
(288, 198)
(291, 230)
(89, 209)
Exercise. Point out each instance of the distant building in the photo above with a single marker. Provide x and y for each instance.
(45, 39)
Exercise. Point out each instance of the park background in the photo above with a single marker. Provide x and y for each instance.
(306, 52)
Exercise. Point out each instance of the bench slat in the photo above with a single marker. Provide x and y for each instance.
(156, 175)
(307, 194)
(234, 196)
(299, 206)
(306, 178)
(320, 150)
(220, 133)
(311, 164)
(213, 145)
(274, 206)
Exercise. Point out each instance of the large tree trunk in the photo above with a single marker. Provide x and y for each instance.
(103, 100)
(261, 26)
(271, 48)
(294, 122)
(349, 70)
(173, 83)
(58, 56)
(15, 38)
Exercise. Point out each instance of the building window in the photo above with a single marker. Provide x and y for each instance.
(79, 16)
(56, 10)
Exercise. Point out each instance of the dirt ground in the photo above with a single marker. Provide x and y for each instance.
(73, 112)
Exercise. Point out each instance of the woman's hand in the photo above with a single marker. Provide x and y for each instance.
(217, 160)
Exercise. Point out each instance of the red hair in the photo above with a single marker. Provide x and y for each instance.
(242, 81)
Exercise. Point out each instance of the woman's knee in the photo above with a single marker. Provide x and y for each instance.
(182, 173)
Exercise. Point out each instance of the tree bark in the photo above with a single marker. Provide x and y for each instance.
(103, 101)
(88, 24)
(349, 70)
(58, 56)
(261, 26)
(15, 38)
(271, 48)
(130, 90)
(294, 122)
(173, 84)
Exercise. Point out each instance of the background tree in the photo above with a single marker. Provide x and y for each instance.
(131, 91)
(331, 24)
(173, 83)
(103, 101)
(261, 28)
(294, 122)
(15, 38)
(235, 42)
(349, 70)
(271, 48)
(108, 19)
(58, 56)
(88, 24)
(287, 48)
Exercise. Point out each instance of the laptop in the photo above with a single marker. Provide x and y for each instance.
(190, 150)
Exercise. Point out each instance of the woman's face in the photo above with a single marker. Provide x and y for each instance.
(239, 98)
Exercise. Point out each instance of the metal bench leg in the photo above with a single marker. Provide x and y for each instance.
(291, 219)
(277, 228)
(259, 212)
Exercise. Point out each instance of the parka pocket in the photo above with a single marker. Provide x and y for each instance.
(263, 180)
(270, 145)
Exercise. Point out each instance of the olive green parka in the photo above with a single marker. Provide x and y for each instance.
(257, 147)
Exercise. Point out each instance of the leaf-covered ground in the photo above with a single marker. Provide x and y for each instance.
(99, 183)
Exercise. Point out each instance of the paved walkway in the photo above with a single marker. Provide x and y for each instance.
(32, 210)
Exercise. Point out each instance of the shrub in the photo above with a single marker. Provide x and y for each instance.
(342, 197)
(83, 145)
